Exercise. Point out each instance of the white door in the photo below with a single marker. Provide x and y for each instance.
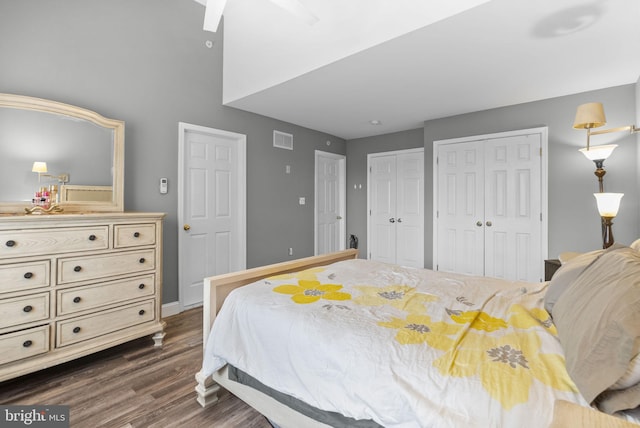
(460, 208)
(410, 209)
(211, 207)
(490, 205)
(513, 219)
(330, 201)
(382, 208)
(396, 207)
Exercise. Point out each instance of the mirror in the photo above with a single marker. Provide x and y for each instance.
(83, 152)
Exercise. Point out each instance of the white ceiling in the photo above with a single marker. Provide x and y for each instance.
(406, 61)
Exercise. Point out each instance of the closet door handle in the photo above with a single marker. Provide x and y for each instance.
(479, 223)
(399, 220)
(489, 224)
(392, 220)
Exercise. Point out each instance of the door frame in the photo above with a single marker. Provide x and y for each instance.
(544, 182)
(369, 157)
(241, 164)
(342, 189)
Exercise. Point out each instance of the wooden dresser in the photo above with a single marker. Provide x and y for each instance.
(74, 284)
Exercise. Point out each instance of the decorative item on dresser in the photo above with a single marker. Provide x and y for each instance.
(74, 284)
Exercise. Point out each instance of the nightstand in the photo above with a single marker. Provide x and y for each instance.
(550, 267)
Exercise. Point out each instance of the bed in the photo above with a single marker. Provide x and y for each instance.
(337, 341)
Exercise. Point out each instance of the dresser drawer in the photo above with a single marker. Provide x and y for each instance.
(23, 344)
(24, 276)
(134, 235)
(87, 327)
(78, 299)
(21, 310)
(74, 269)
(27, 242)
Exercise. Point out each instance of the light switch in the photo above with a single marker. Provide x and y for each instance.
(302, 201)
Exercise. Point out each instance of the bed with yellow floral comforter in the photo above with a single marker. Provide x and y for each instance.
(400, 346)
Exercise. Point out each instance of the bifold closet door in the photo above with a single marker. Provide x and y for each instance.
(460, 208)
(397, 208)
(488, 207)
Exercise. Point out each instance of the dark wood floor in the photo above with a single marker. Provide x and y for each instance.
(135, 385)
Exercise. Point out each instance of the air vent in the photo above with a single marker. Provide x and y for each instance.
(282, 140)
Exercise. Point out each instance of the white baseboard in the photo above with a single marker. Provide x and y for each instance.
(172, 308)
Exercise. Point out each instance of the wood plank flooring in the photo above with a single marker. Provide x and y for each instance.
(135, 385)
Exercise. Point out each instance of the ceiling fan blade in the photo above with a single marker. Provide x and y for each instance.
(213, 14)
(298, 9)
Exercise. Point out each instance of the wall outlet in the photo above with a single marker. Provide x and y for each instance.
(290, 251)
(302, 200)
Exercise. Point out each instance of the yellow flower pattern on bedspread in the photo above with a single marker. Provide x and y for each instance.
(506, 365)
(416, 329)
(473, 343)
(399, 296)
(307, 291)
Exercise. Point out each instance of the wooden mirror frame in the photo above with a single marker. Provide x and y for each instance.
(48, 106)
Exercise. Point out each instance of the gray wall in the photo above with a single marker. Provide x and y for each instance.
(574, 223)
(145, 62)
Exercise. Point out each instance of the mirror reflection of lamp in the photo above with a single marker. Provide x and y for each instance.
(41, 169)
(608, 206)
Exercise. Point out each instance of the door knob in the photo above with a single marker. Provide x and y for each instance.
(399, 220)
(392, 220)
(186, 227)
(339, 217)
(479, 223)
(489, 224)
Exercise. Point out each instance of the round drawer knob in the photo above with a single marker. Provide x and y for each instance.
(28, 275)
(27, 308)
(136, 234)
(141, 312)
(77, 269)
(27, 343)
(141, 260)
(10, 243)
(92, 237)
(76, 329)
(141, 286)
(76, 299)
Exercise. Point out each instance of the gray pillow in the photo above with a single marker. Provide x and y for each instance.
(598, 322)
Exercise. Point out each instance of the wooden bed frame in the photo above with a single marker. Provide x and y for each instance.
(217, 288)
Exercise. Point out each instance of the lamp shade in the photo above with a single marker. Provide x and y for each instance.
(590, 115)
(39, 167)
(599, 152)
(608, 203)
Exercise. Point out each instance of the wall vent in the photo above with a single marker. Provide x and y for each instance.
(282, 140)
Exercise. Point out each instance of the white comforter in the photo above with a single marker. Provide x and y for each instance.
(401, 346)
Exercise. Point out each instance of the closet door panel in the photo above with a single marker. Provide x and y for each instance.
(512, 209)
(461, 208)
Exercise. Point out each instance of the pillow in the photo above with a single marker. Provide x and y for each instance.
(636, 245)
(598, 321)
(566, 273)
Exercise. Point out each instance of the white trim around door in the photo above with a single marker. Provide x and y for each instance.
(239, 255)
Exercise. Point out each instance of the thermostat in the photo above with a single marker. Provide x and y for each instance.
(163, 185)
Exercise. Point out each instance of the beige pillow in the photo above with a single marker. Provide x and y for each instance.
(598, 322)
(571, 268)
